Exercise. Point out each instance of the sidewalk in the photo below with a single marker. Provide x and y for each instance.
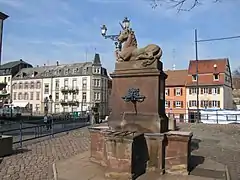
(80, 168)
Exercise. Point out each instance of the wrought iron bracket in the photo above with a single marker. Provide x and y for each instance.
(133, 95)
(112, 37)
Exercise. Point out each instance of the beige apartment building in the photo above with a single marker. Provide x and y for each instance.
(215, 84)
(63, 88)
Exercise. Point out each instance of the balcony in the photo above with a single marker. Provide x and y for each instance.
(70, 89)
(65, 102)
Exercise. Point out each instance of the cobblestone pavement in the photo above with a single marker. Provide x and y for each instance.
(220, 143)
(35, 161)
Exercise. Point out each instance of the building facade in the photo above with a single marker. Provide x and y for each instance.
(215, 84)
(66, 88)
(7, 71)
(175, 93)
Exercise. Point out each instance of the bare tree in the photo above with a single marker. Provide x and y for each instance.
(180, 5)
(236, 72)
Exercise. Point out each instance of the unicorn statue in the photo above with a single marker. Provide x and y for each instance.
(130, 51)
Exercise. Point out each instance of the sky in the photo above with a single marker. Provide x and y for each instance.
(68, 31)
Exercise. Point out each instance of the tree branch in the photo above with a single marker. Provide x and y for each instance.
(179, 4)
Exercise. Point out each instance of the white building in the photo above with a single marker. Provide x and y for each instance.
(215, 84)
(65, 88)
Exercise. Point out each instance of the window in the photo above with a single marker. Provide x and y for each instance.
(97, 70)
(56, 96)
(194, 77)
(167, 92)
(9, 79)
(215, 77)
(193, 91)
(20, 85)
(37, 95)
(19, 96)
(66, 71)
(178, 91)
(204, 104)
(14, 96)
(65, 97)
(84, 97)
(26, 85)
(46, 88)
(25, 96)
(96, 82)
(14, 86)
(216, 90)
(74, 97)
(57, 84)
(32, 85)
(31, 95)
(75, 70)
(38, 85)
(178, 104)
(204, 90)
(65, 83)
(167, 104)
(84, 83)
(215, 104)
(5, 79)
(97, 96)
(74, 83)
(37, 107)
(65, 109)
(192, 103)
(57, 108)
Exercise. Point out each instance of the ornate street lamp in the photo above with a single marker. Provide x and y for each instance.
(125, 25)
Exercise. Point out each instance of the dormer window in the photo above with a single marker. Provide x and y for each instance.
(194, 77)
(66, 71)
(215, 77)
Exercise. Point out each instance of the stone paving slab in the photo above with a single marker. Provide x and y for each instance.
(80, 168)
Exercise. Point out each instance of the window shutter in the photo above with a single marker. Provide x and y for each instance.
(168, 91)
(181, 104)
(174, 104)
(190, 90)
(201, 90)
(174, 92)
(218, 90)
(218, 103)
(181, 92)
(168, 103)
(201, 103)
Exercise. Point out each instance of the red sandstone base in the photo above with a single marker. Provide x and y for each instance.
(128, 154)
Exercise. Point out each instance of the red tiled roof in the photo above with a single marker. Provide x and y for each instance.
(176, 77)
(206, 70)
(207, 66)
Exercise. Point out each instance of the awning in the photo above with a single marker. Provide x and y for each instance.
(20, 104)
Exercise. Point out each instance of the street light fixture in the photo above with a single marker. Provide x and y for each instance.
(125, 25)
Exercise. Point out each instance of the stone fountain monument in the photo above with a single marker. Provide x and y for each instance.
(137, 138)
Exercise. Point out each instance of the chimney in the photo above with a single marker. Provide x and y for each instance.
(57, 63)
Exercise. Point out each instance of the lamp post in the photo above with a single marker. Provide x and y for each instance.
(125, 25)
(2, 18)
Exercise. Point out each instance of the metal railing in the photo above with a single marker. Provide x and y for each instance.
(205, 116)
(23, 131)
